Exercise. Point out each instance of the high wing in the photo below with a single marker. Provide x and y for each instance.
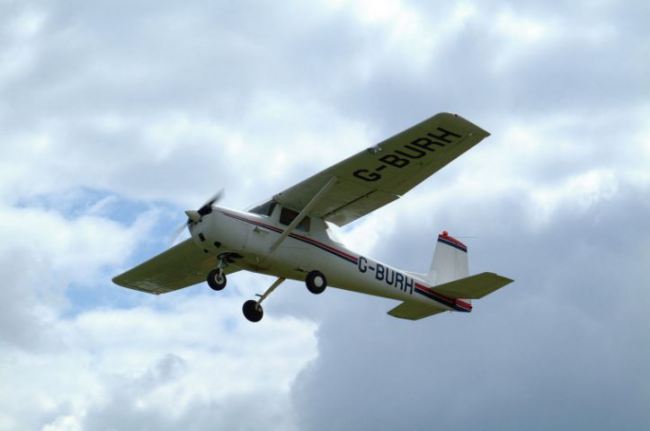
(381, 174)
(181, 266)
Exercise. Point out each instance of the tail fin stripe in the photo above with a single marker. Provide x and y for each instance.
(453, 242)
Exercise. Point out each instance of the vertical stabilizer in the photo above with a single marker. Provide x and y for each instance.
(449, 260)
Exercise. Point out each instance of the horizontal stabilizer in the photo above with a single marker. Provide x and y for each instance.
(473, 287)
(414, 311)
(181, 266)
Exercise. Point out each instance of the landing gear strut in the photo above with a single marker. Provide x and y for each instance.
(253, 309)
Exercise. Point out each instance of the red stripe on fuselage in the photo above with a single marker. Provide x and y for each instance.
(457, 303)
(326, 247)
(466, 306)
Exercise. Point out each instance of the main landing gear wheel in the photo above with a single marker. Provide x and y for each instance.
(217, 279)
(253, 310)
(316, 282)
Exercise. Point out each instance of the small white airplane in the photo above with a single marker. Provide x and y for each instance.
(290, 236)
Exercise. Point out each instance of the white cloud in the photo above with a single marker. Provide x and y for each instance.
(164, 360)
(522, 29)
(175, 102)
(156, 361)
(78, 247)
(42, 254)
(581, 192)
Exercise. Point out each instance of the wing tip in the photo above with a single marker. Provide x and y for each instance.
(116, 280)
(457, 117)
(499, 279)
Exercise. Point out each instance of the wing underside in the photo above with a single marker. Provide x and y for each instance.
(379, 175)
(181, 266)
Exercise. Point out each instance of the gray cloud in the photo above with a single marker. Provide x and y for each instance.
(563, 347)
(165, 101)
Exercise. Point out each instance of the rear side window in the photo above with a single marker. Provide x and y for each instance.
(288, 215)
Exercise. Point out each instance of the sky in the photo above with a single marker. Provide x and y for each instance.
(117, 116)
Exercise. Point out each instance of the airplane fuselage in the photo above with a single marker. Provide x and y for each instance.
(248, 239)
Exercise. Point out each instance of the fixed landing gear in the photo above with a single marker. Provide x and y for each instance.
(217, 279)
(252, 309)
(316, 282)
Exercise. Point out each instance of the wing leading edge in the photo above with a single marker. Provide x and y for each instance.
(181, 266)
(381, 174)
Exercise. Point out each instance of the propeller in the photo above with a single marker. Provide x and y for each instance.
(194, 216)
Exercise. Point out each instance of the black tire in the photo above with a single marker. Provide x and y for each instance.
(217, 279)
(253, 311)
(316, 282)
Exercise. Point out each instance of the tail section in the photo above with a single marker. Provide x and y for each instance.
(449, 260)
(448, 283)
(474, 287)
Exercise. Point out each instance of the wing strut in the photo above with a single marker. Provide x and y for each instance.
(302, 214)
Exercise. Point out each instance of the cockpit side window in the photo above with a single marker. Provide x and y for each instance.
(288, 215)
(264, 209)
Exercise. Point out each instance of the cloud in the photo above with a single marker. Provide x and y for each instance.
(193, 363)
(545, 351)
(115, 117)
(42, 253)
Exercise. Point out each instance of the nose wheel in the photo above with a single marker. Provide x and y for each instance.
(217, 279)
